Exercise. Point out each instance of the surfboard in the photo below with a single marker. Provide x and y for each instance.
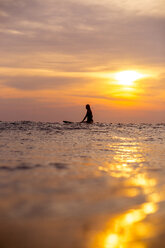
(68, 122)
(73, 122)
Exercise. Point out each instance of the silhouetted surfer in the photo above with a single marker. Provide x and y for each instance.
(88, 115)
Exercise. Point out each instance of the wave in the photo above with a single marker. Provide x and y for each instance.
(42, 126)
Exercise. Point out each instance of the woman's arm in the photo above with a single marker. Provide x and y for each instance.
(84, 118)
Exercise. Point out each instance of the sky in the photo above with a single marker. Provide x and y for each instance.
(59, 55)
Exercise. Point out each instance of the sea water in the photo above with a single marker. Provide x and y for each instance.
(82, 186)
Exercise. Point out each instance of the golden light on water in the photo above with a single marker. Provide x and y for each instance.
(124, 230)
(127, 78)
(112, 240)
(131, 228)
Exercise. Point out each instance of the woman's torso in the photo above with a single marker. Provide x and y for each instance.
(89, 116)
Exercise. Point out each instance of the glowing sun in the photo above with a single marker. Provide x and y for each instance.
(127, 78)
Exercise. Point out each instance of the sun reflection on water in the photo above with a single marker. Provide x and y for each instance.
(130, 229)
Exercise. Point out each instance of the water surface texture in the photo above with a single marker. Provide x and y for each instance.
(82, 186)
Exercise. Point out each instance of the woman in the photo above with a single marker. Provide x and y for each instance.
(88, 115)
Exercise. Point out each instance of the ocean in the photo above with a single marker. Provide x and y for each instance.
(81, 185)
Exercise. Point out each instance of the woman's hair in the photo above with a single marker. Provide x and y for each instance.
(88, 106)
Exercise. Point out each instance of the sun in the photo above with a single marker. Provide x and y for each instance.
(127, 78)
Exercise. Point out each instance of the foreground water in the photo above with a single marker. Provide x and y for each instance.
(82, 186)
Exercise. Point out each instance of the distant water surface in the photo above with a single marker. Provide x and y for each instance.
(82, 186)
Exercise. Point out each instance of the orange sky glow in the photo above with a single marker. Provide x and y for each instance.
(57, 56)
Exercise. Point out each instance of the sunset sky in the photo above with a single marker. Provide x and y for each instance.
(59, 55)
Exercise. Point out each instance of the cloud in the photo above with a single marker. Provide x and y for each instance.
(103, 97)
(90, 31)
(152, 84)
(41, 83)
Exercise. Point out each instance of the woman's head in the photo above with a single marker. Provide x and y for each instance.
(88, 107)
